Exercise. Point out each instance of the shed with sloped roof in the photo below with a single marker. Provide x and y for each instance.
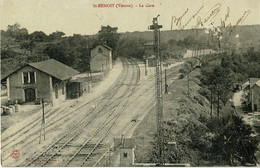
(126, 148)
(40, 80)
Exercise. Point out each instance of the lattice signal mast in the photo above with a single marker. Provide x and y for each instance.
(159, 90)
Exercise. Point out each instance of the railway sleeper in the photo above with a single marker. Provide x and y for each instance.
(93, 145)
(74, 145)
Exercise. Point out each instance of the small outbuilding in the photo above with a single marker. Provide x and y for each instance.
(78, 85)
(149, 56)
(101, 58)
(126, 147)
(149, 46)
(74, 89)
(151, 61)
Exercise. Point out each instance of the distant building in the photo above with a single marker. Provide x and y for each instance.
(149, 46)
(101, 58)
(255, 94)
(126, 147)
(41, 80)
(151, 61)
(149, 56)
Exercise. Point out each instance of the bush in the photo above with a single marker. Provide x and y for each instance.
(204, 92)
(181, 76)
(199, 100)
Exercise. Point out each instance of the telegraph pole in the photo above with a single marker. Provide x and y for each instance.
(160, 134)
(166, 86)
(43, 123)
(145, 70)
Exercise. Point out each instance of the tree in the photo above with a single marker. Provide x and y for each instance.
(17, 32)
(56, 35)
(131, 48)
(38, 36)
(188, 66)
(209, 141)
(12, 30)
(60, 52)
(220, 81)
(108, 35)
(233, 142)
(29, 45)
(8, 53)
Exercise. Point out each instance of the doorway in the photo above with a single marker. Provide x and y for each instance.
(29, 94)
(255, 107)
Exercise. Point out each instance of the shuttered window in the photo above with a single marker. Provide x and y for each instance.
(25, 78)
(32, 77)
(29, 77)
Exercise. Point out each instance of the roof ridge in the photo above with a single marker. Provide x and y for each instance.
(104, 45)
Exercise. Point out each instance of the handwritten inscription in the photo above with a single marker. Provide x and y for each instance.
(242, 19)
(177, 20)
(194, 15)
(207, 19)
(227, 15)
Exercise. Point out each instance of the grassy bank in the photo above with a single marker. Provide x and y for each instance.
(188, 123)
(178, 108)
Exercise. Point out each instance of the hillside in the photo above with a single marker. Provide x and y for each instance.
(247, 33)
(18, 47)
(182, 112)
(201, 139)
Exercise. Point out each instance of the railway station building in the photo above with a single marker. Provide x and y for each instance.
(40, 80)
(101, 58)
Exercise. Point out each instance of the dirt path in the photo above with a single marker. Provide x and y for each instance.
(249, 119)
(237, 98)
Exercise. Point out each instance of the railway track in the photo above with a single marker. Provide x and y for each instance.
(95, 152)
(51, 124)
(72, 134)
(142, 93)
(98, 149)
(48, 114)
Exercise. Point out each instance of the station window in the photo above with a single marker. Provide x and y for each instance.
(125, 155)
(29, 77)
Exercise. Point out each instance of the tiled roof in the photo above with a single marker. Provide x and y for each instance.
(55, 69)
(103, 46)
(125, 143)
(51, 67)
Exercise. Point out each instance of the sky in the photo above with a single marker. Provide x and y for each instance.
(80, 17)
